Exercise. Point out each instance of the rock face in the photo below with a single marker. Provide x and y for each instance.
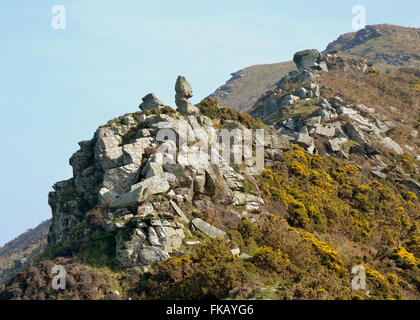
(183, 92)
(151, 102)
(145, 185)
(335, 124)
(208, 229)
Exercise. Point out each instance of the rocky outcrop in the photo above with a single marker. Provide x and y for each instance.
(151, 102)
(146, 173)
(335, 124)
(309, 60)
(208, 229)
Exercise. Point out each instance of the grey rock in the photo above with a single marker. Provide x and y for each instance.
(354, 133)
(183, 92)
(391, 144)
(306, 142)
(307, 60)
(122, 178)
(378, 174)
(208, 229)
(179, 211)
(150, 102)
(326, 131)
(335, 144)
(150, 255)
(311, 122)
(151, 169)
(129, 199)
(156, 184)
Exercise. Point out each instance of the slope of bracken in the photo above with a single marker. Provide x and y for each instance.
(246, 85)
(385, 45)
(325, 218)
(394, 93)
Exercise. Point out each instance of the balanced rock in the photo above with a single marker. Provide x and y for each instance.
(183, 92)
(309, 60)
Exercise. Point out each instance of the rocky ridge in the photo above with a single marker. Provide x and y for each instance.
(332, 126)
(128, 173)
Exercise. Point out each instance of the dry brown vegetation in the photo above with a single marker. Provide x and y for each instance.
(396, 87)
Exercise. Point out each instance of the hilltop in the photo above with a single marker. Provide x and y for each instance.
(145, 215)
(385, 45)
(245, 87)
(129, 225)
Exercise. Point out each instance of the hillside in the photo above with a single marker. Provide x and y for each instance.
(384, 45)
(244, 88)
(15, 254)
(134, 224)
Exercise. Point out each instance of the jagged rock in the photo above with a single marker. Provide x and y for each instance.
(306, 142)
(133, 152)
(111, 158)
(208, 229)
(179, 211)
(145, 210)
(335, 144)
(129, 199)
(326, 131)
(120, 180)
(414, 133)
(337, 102)
(200, 183)
(354, 133)
(152, 168)
(154, 185)
(151, 102)
(183, 92)
(128, 120)
(311, 122)
(83, 158)
(391, 144)
(378, 174)
(150, 255)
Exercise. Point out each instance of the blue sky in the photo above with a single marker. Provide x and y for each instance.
(58, 86)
